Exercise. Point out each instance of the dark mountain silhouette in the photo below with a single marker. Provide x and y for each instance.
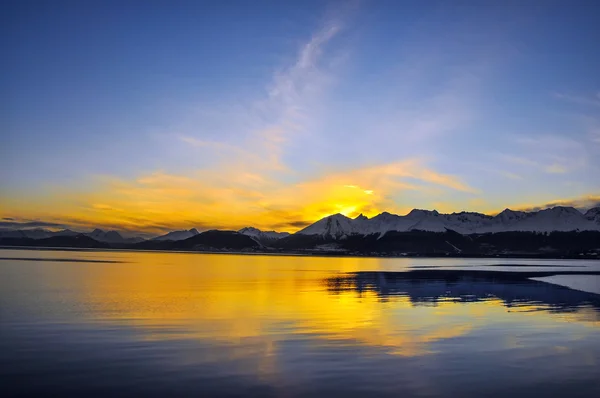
(413, 243)
(216, 239)
(450, 243)
(79, 241)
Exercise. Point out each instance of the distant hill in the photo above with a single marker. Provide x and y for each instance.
(178, 235)
(79, 241)
(219, 240)
(112, 237)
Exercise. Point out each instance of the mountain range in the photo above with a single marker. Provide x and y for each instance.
(97, 234)
(557, 218)
(558, 231)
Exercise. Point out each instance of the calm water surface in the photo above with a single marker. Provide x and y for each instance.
(169, 324)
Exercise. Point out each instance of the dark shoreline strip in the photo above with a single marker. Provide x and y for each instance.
(65, 260)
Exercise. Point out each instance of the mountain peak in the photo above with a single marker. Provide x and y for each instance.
(384, 214)
(361, 217)
(338, 216)
(421, 212)
(113, 234)
(593, 211)
(593, 214)
(562, 210)
(249, 229)
(263, 237)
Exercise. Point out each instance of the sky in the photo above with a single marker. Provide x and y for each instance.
(223, 114)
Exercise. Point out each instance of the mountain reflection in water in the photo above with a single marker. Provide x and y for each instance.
(432, 286)
(169, 324)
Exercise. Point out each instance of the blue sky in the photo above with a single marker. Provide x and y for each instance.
(177, 114)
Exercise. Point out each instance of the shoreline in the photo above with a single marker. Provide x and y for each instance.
(525, 256)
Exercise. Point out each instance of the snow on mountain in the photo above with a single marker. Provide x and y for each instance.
(467, 222)
(426, 220)
(593, 215)
(384, 222)
(336, 226)
(559, 218)
(178, 235)
(262, 235)
(508, 216)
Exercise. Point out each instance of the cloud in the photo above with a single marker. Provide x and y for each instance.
(231, 199)
(556, 168)
(446, 181)
(582, 203)
(548, 153)
(291, 225)
(579, 99)
(509, 175)
(262, 129)
(104, 207)
(29, 224)
(243, 173)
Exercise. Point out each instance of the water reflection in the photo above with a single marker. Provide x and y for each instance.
(514, 289)
(262, 325)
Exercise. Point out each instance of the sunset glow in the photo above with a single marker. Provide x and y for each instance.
(332, 124)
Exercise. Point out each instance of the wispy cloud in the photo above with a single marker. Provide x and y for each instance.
(509, 175)
(591, 100)
(550, 153)
(287, 108)
(556, 168)
(29, 224)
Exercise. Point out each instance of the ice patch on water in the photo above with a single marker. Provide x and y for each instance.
(585, 283)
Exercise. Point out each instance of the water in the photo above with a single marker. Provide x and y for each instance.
(80, 323)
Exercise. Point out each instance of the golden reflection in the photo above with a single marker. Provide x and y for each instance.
(252, 303)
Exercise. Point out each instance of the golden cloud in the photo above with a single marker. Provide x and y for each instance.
(238, 196)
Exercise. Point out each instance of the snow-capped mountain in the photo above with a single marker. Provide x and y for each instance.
(557, 218)
(336, 226)
(593, 215)
(385, 222)
(178, 235)
(263, 237)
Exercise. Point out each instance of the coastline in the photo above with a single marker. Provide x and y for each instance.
(525, 256)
